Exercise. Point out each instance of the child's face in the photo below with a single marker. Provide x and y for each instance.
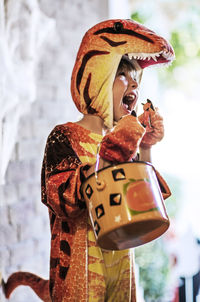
(125, 92)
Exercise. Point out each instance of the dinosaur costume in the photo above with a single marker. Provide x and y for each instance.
(79, 269)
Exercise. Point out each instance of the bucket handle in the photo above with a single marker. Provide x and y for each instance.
(100, 183)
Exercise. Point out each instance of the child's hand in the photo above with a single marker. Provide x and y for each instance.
(153, 123)
(122, 142)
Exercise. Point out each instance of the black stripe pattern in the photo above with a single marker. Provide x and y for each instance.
(123, 31)
(65, 247)
(63, 272)
(86, 96)
(112, 43)
(86, 58)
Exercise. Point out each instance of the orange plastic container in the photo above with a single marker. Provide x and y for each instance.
(125, 205)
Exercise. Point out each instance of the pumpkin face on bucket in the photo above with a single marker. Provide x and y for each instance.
(128, 210)
(139, 196)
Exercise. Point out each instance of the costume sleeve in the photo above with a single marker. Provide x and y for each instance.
(63, 174)
(122, 142)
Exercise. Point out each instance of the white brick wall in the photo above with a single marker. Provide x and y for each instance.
(24, 225)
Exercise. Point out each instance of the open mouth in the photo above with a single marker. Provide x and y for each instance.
(147, 59)
(128, 102)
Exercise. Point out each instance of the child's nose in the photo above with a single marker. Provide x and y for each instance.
(133, 84)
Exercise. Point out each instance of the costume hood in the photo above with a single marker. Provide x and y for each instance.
(98, 58)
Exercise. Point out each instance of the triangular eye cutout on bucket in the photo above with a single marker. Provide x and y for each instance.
(115, 199)
(88, 191)
(96, 227)
(99, 211)
(118, 174)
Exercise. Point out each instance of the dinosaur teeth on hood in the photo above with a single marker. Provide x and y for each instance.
(154, 58)
(166, 55)
(130, 55)
(157, 58)
(147, 56)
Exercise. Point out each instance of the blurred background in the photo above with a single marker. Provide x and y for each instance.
(39, 40)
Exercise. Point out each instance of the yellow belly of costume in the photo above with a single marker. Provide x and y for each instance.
(109, 272)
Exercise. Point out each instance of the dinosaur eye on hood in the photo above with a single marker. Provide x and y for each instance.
(118, 26)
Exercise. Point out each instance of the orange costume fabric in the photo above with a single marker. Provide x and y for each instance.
(123, 142)
(71, 278)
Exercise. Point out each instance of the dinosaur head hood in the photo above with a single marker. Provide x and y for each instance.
(98, 58)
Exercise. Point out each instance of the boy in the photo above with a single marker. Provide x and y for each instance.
(79, 269)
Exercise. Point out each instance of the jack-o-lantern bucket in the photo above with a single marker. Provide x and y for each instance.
(125, 205)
